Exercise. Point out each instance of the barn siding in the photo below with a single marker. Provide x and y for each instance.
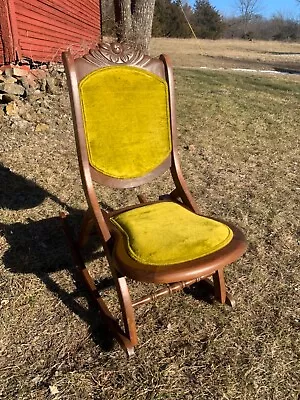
(1, 48)
(47, 27)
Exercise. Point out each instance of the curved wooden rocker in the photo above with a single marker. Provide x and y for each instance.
(123, 111)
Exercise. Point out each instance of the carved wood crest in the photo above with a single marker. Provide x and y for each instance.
(106, 54)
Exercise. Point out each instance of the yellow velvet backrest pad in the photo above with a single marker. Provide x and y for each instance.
(126, 119)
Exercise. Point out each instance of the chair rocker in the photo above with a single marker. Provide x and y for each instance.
(123, 110)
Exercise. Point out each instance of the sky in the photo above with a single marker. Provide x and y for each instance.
(288, 8)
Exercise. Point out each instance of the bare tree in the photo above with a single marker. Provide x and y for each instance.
(134, 21)
(247, 10)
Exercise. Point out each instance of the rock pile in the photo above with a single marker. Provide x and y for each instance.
(33, 101)
(22, 84)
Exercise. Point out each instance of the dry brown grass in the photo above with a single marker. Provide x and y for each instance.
(239, 143)
(225, 53)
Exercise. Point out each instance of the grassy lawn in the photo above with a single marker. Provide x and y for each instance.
(239, 145)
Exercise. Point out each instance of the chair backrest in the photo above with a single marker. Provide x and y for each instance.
(123, 113)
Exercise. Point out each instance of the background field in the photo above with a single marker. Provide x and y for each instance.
(239, 145)
(225, 53)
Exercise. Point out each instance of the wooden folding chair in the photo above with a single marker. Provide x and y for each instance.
(123, 110)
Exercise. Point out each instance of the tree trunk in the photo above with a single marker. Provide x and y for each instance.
(134, 22)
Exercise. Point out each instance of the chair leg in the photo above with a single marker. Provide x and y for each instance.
(220, 289)
(127, 309)
(122, 337)
(86, 227)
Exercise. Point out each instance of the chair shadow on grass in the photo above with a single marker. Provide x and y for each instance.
(40, 248)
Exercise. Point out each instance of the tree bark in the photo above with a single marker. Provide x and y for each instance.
(134, 22)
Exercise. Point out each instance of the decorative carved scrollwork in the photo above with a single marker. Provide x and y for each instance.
(106, 54)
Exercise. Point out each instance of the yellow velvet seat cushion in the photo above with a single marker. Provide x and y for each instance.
(126, 120)
(166, 233)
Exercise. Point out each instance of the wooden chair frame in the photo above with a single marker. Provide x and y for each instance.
(120, 263)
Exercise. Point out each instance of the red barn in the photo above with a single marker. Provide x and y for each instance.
(42, 29)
